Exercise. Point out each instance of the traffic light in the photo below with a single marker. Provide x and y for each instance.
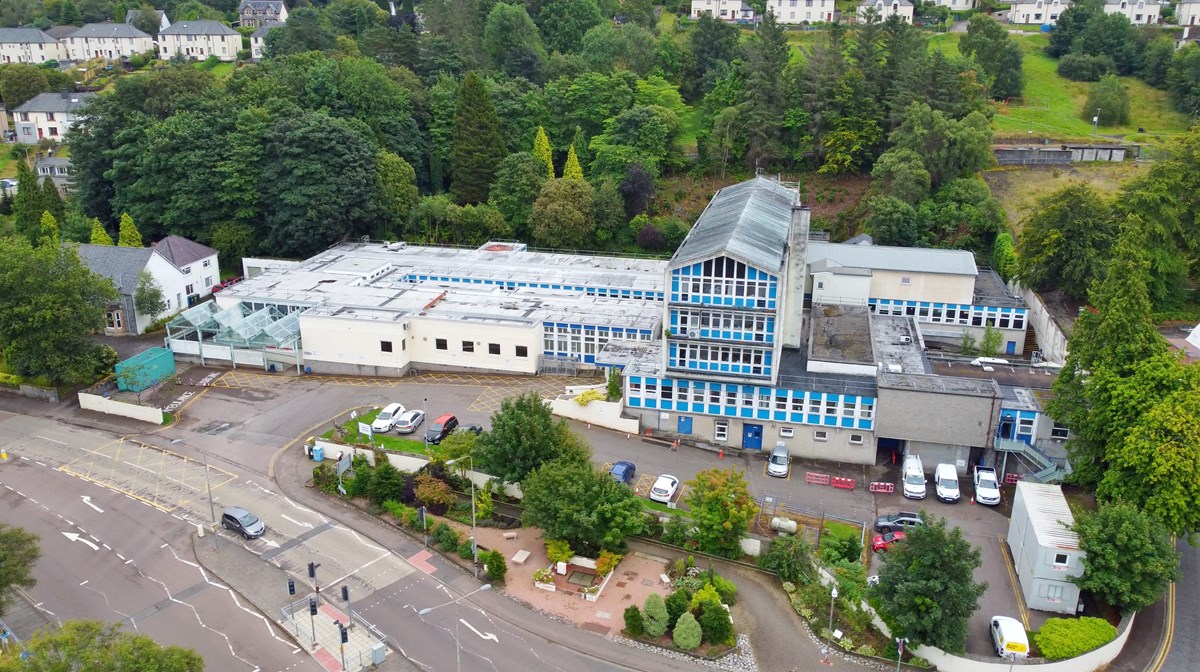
(312, 607)
(312, 570)
(291, 587)
(345, 593)
(345, 633)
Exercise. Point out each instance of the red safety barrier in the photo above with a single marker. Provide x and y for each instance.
(815, 478)
(1011, 479)
(843, 483)
(879, 486)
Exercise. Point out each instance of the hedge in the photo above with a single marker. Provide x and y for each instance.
(1062, 638)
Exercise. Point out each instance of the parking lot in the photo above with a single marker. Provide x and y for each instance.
(270, 407)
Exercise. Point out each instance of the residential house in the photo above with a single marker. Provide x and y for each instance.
(48, 115)
(1187, 12)
(58, 169)
(886, 9)
(29, 45)
(197, 40)
(184, 270)
(1139, 12)
(956, 5)
(1040, 12)
(163, 21)
(726, 10)
(1044, 549)
(108, 40)
(61, 33)
(255, 13)
(258, 40)
(796, 12)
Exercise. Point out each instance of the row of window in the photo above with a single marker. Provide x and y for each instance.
(469, 347)
(814, 408)
(949, 313)
(722, 358)
(582, 340)
(721, 433)
(745, 326)
(609, 292)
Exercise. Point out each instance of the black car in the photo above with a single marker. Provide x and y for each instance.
(441, 428)
(890, 522)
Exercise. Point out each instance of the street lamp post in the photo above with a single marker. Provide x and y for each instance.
(455, 601)
(474, 545)
(900, 642)
(832, 598)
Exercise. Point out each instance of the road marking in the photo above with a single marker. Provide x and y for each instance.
(482, 635)
(88, 500)
(1164, 646)
(75, 537)
(293, 520)
(1012, 580)
(46, 438)
(138, 466)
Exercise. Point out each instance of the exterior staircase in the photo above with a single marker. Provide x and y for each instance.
(1045, 470)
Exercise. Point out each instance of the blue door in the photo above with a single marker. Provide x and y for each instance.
(752, 437)
(1011, 348)
(685, 424)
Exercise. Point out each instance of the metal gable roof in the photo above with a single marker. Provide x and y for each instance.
(1049, 515)
(884, 258)
(748, 221)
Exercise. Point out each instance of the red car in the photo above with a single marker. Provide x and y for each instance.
(883, 542)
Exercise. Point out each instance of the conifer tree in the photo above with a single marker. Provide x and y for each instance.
(99, 235)
(572, 170)
(542, 150)
(47, 233)
(27, 204)
(478, 147)
(52, 202)
(127, 233)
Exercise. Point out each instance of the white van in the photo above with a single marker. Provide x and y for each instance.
(945, 483)
(1008, 638)
(913, 476)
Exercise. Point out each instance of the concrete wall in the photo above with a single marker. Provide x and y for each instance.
(935, 417)
(843, 289)
(95, 402)
(355, 343)
(1052, 340)
(599, 413)
(425, 332)
(1032, 156)
(32, 391)
(932, 287)
(1088, 662)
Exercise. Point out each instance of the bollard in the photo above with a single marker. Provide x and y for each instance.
(721, 455)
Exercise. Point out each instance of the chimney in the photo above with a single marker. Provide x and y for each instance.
(795, 274)
(66, 95)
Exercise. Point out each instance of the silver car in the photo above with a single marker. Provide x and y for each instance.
(779, 463)
(237, 519)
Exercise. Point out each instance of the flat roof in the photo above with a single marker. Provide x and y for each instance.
(968, 387)
(896, 341)
(1049, 514)
(1005, 374)
(840, 333)
(1019, 398)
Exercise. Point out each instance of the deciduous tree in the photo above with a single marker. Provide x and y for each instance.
(997, 54)
(19, 552)
(564, 215)
(21, 81)
(397, 189)
(1108, 98)
(564, 22)
(722, 509)
(570, 500)
(1130, 558)
(1066, 240)
(92, 645)
(519, 181)
(148, 297)
(524, 435)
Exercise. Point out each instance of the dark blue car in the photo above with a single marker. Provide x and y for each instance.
(623, 472)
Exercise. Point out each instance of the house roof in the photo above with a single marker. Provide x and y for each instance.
(180, 251)
(266, 28)
(827, 266)
(884, 258)
(132, 14)
(53, 161)
(198, 28)
(114, 30)
(273, 5)
(748, 221)
(24, 36)
(55, 102)
(886, 3)
(1049, 515)
(61, 32)
(119, 264)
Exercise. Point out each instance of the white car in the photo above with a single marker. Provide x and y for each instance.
(987, 488)
(387, 418)
(664, 489)
(408, 421)
(945, 483)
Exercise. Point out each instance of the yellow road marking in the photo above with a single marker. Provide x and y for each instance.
(1012, 579)
(1164, 646)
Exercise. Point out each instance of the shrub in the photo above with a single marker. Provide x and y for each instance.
(543, 575)
(1062, 638)
(866, 650)
(677, 603)
(589, 396)
(705, 594)
(444, 533)
(395, 508)
(559, 551)
(687, 632)
(10, 380)
(434, 494)
(634, 626)
(655, 611)
(614, 384)
(1085, 67)
(466, 549)
(715, 623)
(834, 548)
(675, 531)
(607, 562)
(495, 565)
(324, 478)
(789, 557)
(724, 587)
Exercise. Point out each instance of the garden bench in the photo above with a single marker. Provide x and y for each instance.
(520, 557)
(510, 535)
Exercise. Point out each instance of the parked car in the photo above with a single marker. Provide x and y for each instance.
(883, 542)
(387, 418)
(441, 428)
(913, 485)
(945, 483)
(228, 283)
(987, 488)
(243, 522)
(779, 463)
(623, 472)
(890, 522)
(1009, 638)
(664, 488)
(474, 429)
(408, 421)
(8, 184)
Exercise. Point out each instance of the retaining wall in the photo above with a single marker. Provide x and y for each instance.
(1052, 340)
(599, 413)
(95, 402)
(1088, 662)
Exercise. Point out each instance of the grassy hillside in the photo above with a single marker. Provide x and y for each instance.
(1018, 188)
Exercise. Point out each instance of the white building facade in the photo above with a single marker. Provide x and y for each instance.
(1039, 12)
(886, 9)
(1139, 12)
(48, 116)
(258, 39)
(197, 40)
(725, 10)
(110, 41)
(29, 45)
(1044, 549)
(1187, 12)
(795, 12)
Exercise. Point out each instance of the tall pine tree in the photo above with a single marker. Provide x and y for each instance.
(127, 234)
(99, 234)
(542, 150)
(52, 202)
(478, 147)
(762, 103)
(28, 204)
(571, 169)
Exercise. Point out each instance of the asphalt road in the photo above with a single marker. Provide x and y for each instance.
(1184, 655)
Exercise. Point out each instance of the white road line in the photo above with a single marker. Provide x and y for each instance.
(138, 466)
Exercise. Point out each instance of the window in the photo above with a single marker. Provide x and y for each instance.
(1061, 560)
(905, 281)
(207, 263)
(856, 439)
(53, 131)
(1060, 432)
(468, 346)
(493, 348)
(113, 319)
(440, 344)
(208, 281)
(522, 351)
(187, 270)
(1054, 593)
(385, 346)
(787, 432)
(189, 290)
(720, 430)
(820, 435)
(49, 116)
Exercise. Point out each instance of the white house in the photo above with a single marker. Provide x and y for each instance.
(197, 40)
(255, 13)
(1139, 12)
(29, 45)
(184, 270)
(801, 11)
(1044, 549)
(108, 40)
(258, 40)
(726, 10)
(48, 115)
(163, 21)
(887, 8)
(1187, 12)
(956, 5)
(58, 169)
(1037, 11)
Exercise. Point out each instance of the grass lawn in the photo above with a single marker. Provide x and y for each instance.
(8, 165)
(219, 71)
(666, 23)
(385, 441)
(689, 126)
(801, 43)
(1018, 188)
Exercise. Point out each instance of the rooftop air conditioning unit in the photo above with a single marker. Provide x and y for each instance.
(693, 333)
(906, 339)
